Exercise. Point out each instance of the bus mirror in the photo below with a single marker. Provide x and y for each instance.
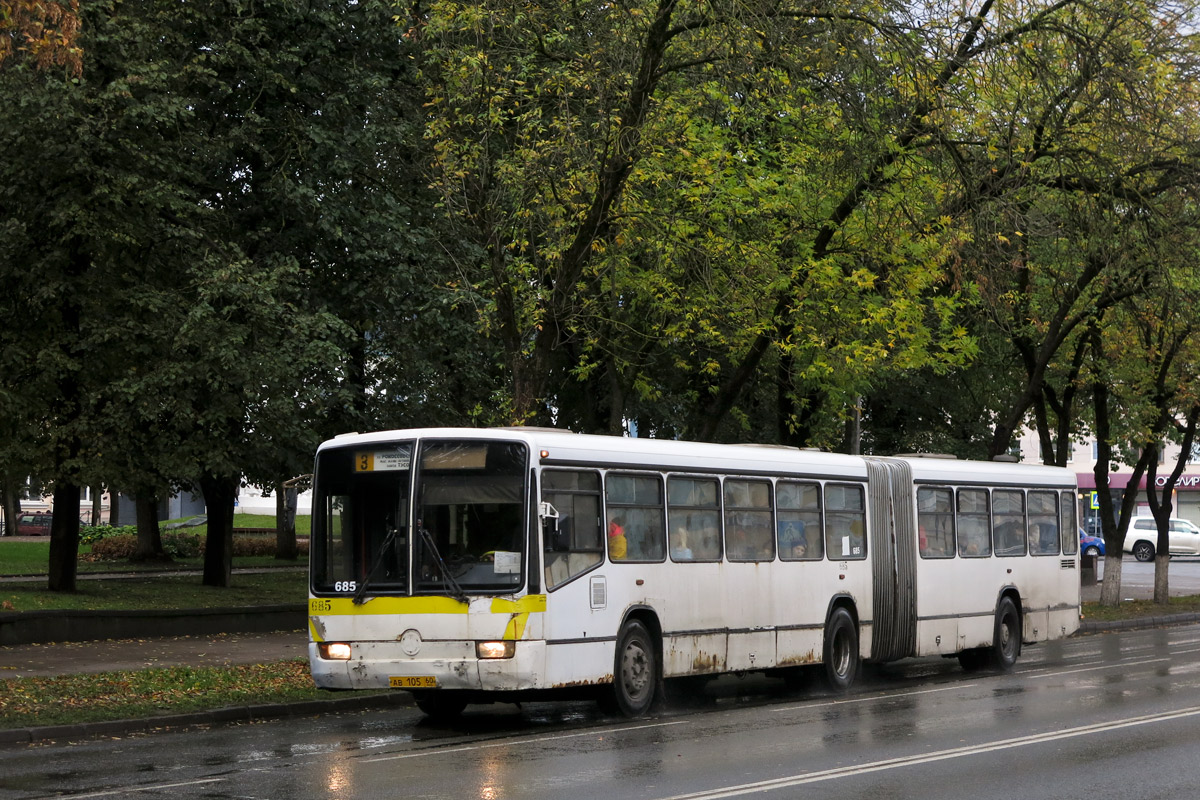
(556, 528)
(559, 539)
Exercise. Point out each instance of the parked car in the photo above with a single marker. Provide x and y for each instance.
(1142, 538)
(1090, 545)
(34, 524)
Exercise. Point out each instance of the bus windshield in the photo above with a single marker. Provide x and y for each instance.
(360, 520)
(463, 532)
(470, 516)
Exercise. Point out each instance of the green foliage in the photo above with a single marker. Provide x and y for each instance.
(90, 534)
(184, 545)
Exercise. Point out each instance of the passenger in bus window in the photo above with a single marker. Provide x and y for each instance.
(618, 547)
(791, 538)
(1043, 538)
(679, 545)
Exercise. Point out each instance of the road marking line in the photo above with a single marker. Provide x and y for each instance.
(519, 742)
(868, 698)
(1048, 672)
(150, 788)
(941, 755)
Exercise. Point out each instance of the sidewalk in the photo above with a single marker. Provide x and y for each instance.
(222, 649)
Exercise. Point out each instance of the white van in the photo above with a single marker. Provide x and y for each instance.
(1142, 538)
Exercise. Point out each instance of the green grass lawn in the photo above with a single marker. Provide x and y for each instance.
(249, 589)
(1136, 609)
(32, 558)
(144, 694)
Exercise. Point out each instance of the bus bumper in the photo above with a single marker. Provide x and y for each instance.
(452, 665)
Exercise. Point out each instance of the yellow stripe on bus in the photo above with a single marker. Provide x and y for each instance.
(344, 606)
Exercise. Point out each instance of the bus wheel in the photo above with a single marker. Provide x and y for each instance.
(440, 705)
(974, 659)
(841, 650)
(635, 674)
(1006, 645)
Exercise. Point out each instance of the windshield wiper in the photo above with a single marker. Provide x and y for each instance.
(361, 592)
(448, 581)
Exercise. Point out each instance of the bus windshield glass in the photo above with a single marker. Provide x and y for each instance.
(360, 538)
(470, 516)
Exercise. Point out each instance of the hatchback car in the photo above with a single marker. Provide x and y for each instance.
(1142, 538)
(1090, 545)
(34, 524)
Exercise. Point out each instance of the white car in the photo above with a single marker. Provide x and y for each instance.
(1142, 538)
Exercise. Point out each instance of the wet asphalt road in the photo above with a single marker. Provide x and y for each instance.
(1104, 716)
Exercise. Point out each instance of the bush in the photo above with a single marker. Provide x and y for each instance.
(182, 545)
(90, 534)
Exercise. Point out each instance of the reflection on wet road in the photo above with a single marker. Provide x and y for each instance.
(1113, 715)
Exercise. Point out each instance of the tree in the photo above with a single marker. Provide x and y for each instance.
(632, 175)
(43, 32)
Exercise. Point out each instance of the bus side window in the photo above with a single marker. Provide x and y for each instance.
(845, 521)
(799, 524)
(935, 523)
(693, 519)
(974, 523)
(635, 517)
(1068, 529)
(1043, 523)
(749, 534)
(1008, 519)
(577, 545)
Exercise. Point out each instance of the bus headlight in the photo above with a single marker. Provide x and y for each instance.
(334, 651)
(495, 649)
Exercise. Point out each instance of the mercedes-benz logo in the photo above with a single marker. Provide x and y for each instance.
(410, 642)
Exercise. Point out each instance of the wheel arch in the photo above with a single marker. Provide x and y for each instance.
(1012, 593)
(648, 616)
(847, 602)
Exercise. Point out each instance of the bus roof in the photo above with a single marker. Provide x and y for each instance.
(553, 447)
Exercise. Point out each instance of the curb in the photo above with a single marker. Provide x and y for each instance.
(1142, 622)
(228, 714)
(35, 627)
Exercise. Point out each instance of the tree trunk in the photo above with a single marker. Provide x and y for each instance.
(149, 537)
(64, 538)
(1162, 560)
(97, 505)
(220, 493)
(114, 507)
(12, 507)
(285, 522)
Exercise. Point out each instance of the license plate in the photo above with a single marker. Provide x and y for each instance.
(413, 682)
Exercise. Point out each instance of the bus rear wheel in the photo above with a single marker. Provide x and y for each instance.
(635, 673)
(840, 652)
(1006, 644)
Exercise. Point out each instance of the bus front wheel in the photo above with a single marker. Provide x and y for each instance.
(841, 650)
(439, 705)
(635, 674)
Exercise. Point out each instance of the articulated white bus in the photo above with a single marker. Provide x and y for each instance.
(479, 565)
